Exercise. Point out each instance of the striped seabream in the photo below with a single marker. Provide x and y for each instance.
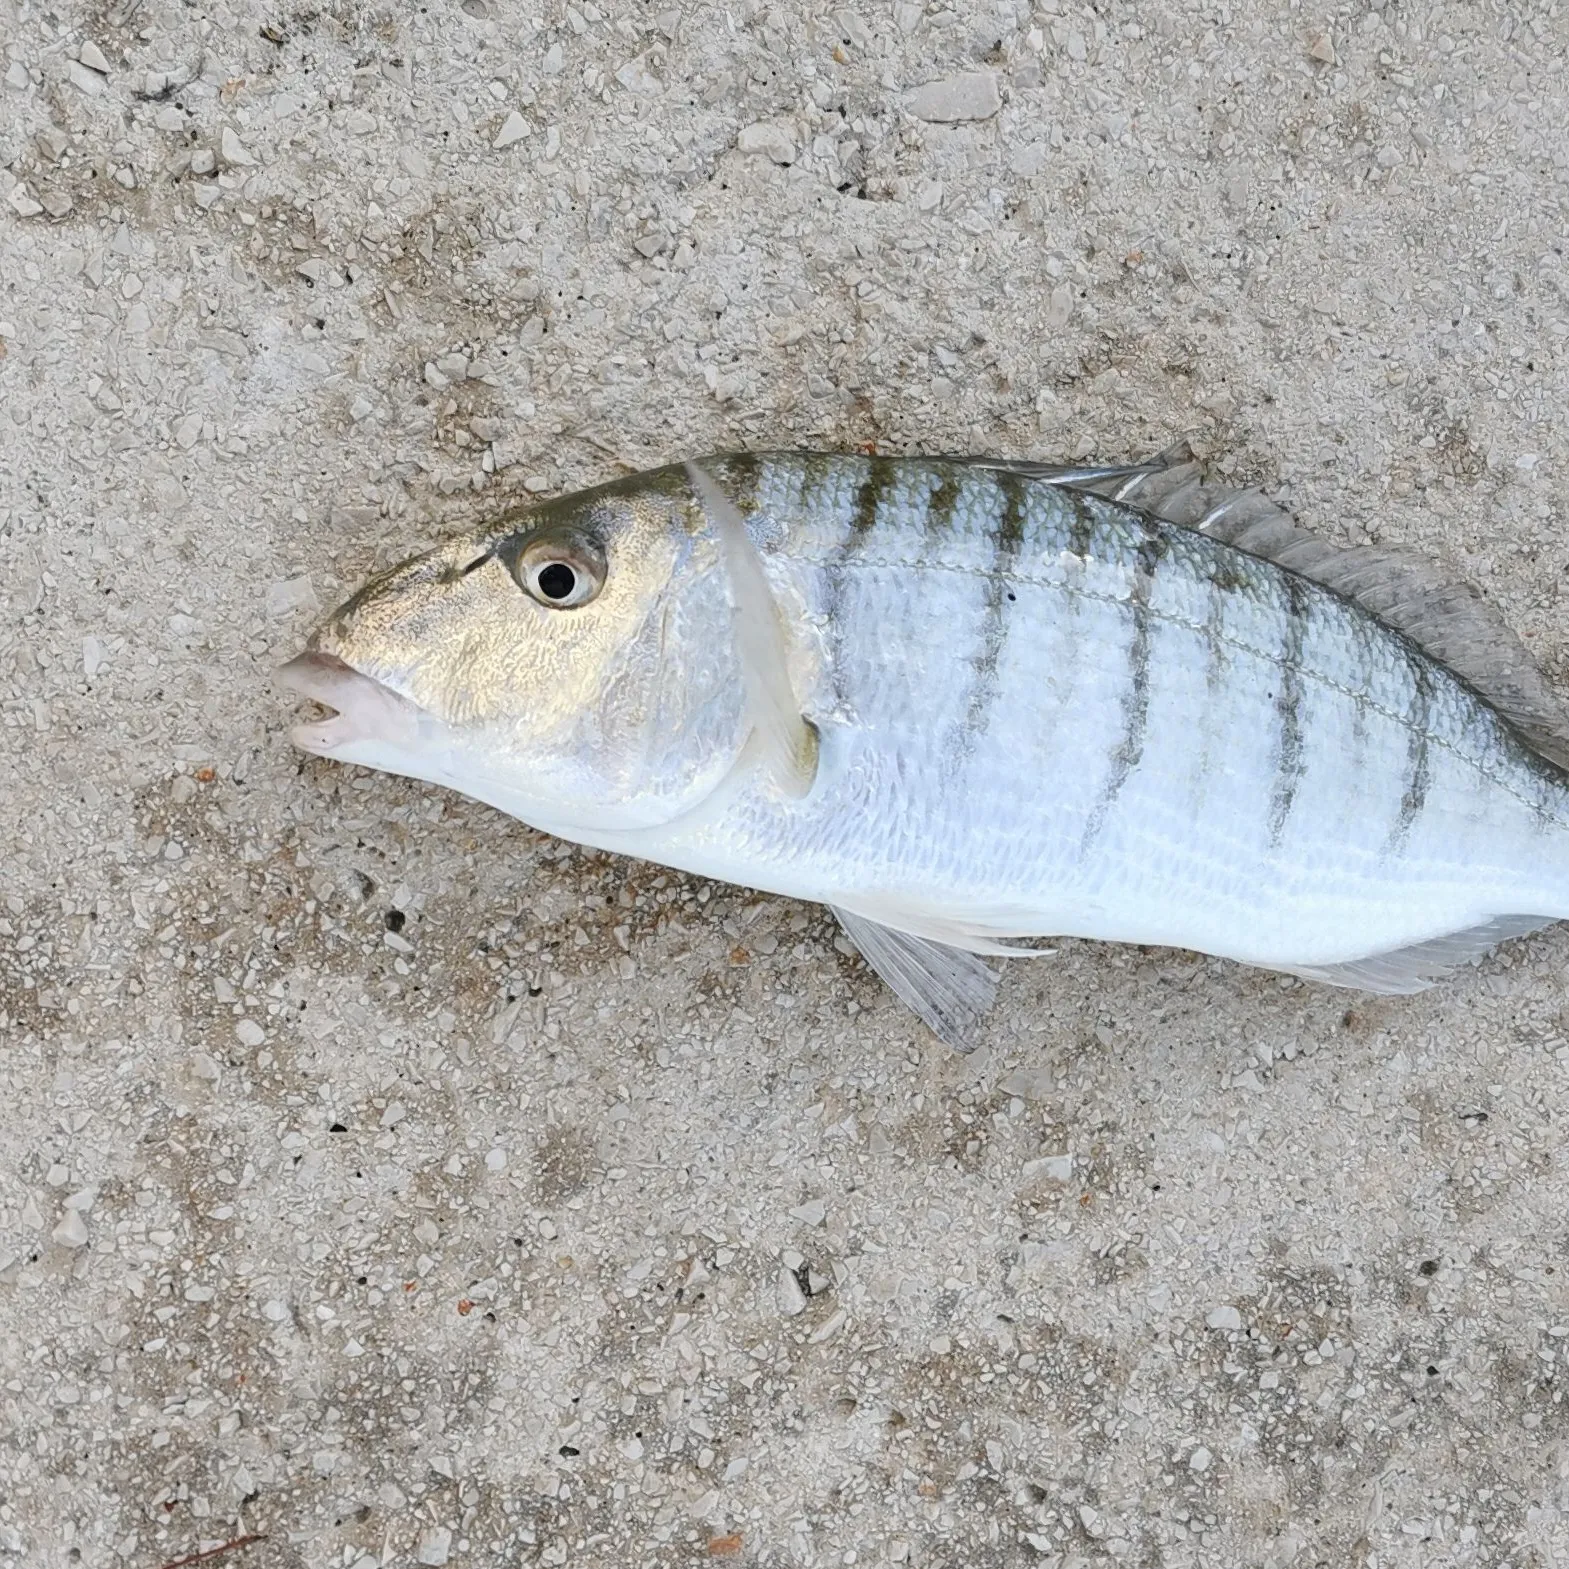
(970, 703)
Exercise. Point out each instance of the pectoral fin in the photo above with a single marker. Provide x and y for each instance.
(950, 989)
(789, 741)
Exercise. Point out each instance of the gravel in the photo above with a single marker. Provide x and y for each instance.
(389, 1180)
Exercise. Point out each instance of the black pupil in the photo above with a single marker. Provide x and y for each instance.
(557, 580)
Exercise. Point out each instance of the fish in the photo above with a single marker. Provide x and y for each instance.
(976, 704)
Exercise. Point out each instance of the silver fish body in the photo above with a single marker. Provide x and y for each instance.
(1042, 712)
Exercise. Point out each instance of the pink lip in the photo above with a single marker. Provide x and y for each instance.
(365, 710)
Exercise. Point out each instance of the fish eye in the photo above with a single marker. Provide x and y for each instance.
(559, 569)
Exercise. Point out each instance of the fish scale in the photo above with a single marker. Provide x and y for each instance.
(966, 702)
(1077, 801)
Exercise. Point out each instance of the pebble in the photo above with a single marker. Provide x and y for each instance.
(23, 204)
(435, 1543)
(187, 431)
(84, 80)
(1051, 1168)
(791, 1298)
(291, 594)
(232, 150)
(1199, 1460)
(973, 96)
(1224, 1317)
(514, 128)
(93, 58)
(811, 1213)
(169, 119)
(829, 1328)
(1323, 48)
(773, 141)
(249, 1033)
(16, 77)
(203, 161)
(72, 1230)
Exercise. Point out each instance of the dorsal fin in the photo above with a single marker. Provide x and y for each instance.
(1443, 615)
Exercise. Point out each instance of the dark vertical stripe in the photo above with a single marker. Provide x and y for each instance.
(942, 504)
(1136, 701)
(1082, 528)
(1418, 774)
(1288, 709)
(875, 482)
(1214, 711)
(868, 496)
(742, 478)
(1006, 546)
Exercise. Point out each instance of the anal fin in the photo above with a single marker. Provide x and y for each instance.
(948, 988)
(1414, 969)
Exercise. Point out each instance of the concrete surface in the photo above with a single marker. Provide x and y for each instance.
(380, 1177)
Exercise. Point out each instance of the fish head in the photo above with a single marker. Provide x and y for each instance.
(571, 665)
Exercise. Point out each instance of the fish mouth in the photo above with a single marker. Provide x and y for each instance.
(361, 709)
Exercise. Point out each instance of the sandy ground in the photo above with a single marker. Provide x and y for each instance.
(384, 1178)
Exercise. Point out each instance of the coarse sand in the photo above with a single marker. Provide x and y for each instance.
(387, 1180)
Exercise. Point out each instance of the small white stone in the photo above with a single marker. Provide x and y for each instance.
(1323, 49)
(249, 1033)
(290, 594)
(973, 96)
(552, 63)
(514, 128)
(435, 1542)
(929, 197)
(1199, 1460)
(22, 202)
(771, 140)
(394, 1114)
(1224, 1317)
(232, 150)
(1049, 1168)
(736, 1469)
(188, 431)
(811, 1213)
(16, 77)
(203, 161)
(829, 1328)
(496, 1160)
(72, 1230)
(169, 119)
(204, 1066)
(414, 162)
(93, 58)
(791, 1298)
(83, 79)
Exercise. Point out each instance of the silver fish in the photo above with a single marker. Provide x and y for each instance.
(969, 703)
